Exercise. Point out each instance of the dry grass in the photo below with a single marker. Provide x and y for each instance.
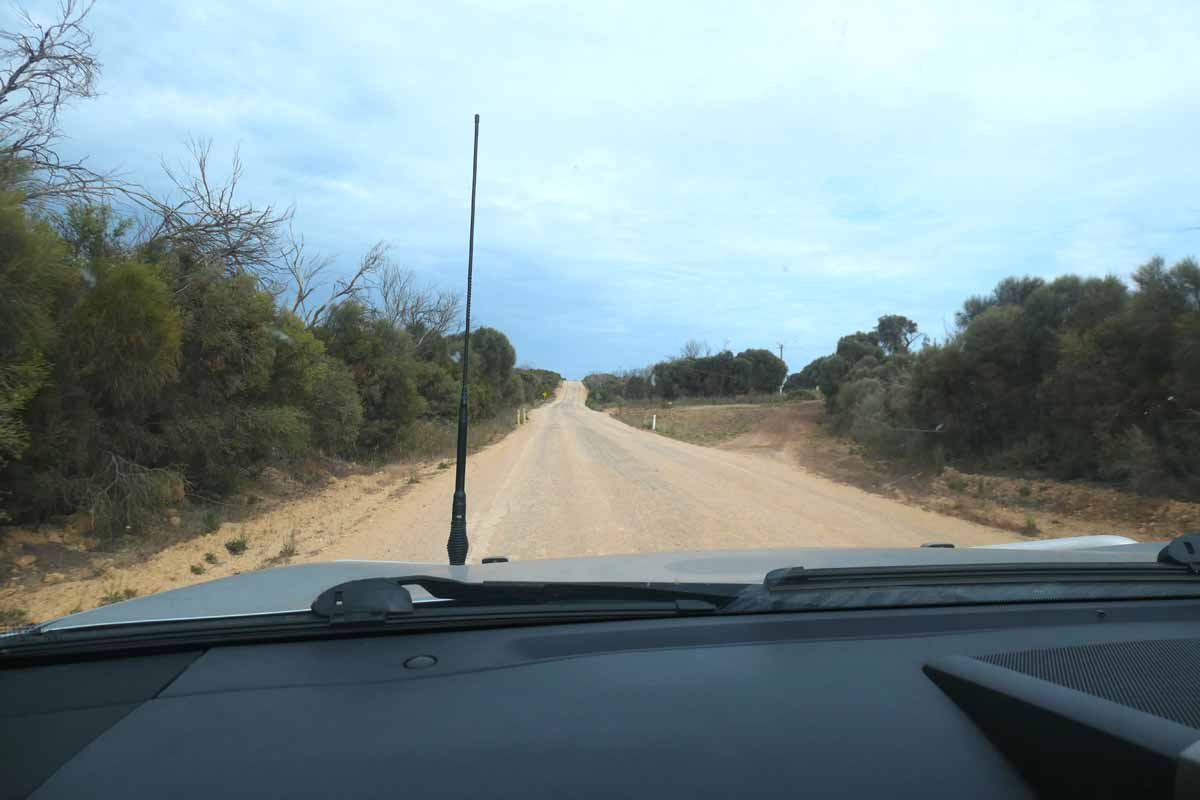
(116, 594)
(289, 547)
(13, 618)
(695, 424)
(437, 440)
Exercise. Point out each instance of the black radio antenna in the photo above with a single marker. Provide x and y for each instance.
(458, 544)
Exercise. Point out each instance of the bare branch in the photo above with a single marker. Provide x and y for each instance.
(45, 67)
(205, 218)
(420, 310)
(303, 270)
(361, 282)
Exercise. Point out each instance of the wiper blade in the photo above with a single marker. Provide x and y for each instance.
(379, 598)
(799, 578)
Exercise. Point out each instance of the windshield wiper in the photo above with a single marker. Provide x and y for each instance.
(1179, 560)
(800, 579)
(374, 599)
(378, 605)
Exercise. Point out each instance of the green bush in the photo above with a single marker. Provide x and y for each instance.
(123, 340)
(210, 521)
(381, 359)
(275, 434)
(335, 408)
(19, 383)
(1079, 376)
(128, 373)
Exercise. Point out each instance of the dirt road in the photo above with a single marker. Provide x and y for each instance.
(571, 482)
(576, 482)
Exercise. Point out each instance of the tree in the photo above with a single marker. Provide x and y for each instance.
(694, 348)
(856, 346)
(830, 372)
(496, 355)
(1008, 292)
(767, 370)
(636, 388)
(896, 333)
(1015, 291)
(797, 381)
(305, 272)
(46, 67)
(381, 360)
(807, 378)
(94, 233)
(423, 311)
(203, 217)
(124, 337)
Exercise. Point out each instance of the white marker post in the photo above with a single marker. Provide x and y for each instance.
(654, 422)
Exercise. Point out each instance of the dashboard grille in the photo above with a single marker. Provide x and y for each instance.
(1160, 677)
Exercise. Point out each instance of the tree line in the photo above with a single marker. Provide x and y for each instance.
(694, 373)
(184, 343)
(1079, 377)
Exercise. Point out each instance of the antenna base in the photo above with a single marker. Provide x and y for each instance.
(457, 545)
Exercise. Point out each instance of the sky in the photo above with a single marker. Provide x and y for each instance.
(745, 174)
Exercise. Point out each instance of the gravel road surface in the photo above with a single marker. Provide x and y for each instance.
(577, 482)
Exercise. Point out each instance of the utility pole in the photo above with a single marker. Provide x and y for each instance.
(785, 371)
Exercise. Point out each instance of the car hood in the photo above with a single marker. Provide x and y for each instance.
(294, 588)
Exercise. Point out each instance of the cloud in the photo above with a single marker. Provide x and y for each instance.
(655, 171)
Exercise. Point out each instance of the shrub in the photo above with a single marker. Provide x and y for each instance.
(116, 595)
(210, 521)
(124, 337)
(1143, 468)
(289, 547)
(124, 496)
(275, 433)
(237, 546)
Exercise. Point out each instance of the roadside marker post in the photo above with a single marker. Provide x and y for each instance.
(654, 422)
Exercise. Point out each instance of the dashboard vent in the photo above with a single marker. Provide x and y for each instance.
(1160, 677)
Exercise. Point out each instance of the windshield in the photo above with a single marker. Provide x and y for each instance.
(745, 282)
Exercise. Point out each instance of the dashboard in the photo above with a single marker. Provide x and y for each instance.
(1031, 700)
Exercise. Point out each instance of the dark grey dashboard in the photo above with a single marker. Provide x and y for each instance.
(797, 704)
